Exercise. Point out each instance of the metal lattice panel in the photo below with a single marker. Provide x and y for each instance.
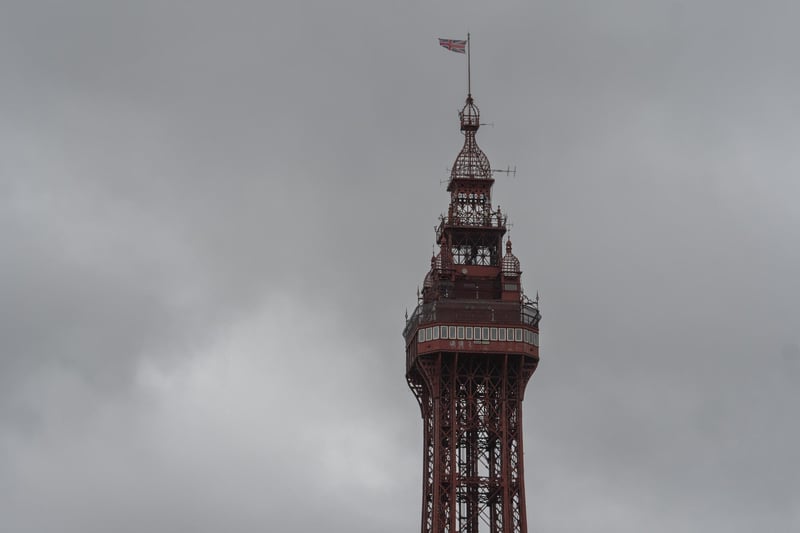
(472, 470)
(471, 162)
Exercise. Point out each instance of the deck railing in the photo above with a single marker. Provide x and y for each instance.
(469, 311)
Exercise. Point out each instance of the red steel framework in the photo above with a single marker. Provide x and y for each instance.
(472, 344)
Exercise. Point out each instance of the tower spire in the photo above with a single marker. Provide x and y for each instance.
(471, 162)
(472, 344)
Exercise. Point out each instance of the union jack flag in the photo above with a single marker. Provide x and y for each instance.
(454, 45)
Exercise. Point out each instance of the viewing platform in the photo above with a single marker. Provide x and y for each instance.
(478, 312)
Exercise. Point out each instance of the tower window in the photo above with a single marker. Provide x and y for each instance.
(421, 335)
(519, 334)
(493, 334)
(501, 332)
(452, 332)
(435, 331)
(477, 334)
(443, 332)
(460, 332)
(469, 333)
(485, 334)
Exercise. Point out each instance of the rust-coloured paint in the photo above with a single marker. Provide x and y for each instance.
(472, 344)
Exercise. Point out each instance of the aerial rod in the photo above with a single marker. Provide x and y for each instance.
(507, 171)
(469, 74)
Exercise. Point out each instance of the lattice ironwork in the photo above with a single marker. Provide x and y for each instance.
(470, 389)
(471, 409)
(471, 162)
(475, 248)
(462, 231)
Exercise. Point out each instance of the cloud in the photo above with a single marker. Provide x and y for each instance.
(212, 220)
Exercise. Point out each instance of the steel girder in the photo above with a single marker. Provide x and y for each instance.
(472, 444)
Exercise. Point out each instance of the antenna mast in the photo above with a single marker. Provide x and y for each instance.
(469, 74)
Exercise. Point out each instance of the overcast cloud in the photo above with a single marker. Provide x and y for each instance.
(213, 216)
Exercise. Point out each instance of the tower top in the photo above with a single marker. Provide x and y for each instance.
(471, 162)
(472, 344)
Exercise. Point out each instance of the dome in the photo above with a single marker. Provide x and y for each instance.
(428, 283)
(471, 162)
(510, 263)
(470, 115)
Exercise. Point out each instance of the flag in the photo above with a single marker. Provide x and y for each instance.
(454, 45)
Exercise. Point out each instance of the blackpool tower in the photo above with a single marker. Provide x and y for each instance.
(472, 343)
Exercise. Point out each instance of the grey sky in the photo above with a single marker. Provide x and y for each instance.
(213, 216)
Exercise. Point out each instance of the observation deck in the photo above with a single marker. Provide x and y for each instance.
(476, 326)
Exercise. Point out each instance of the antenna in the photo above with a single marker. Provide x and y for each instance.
(469, 74)
(508, 171)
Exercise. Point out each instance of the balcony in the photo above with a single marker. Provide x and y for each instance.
(473, 312)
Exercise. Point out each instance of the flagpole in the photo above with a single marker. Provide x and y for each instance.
(469, 74)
